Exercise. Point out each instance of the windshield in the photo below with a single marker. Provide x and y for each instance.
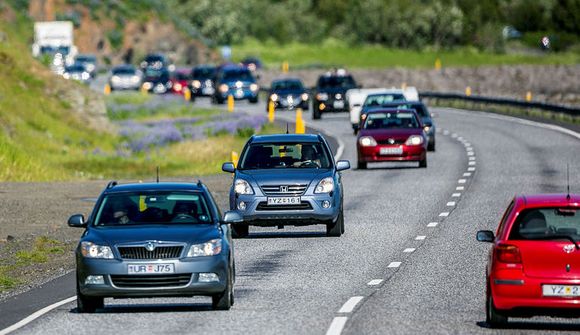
(203, 72)
(181, 76)
(287, 85)
(86, 59)
(381, 99)
(285, 155)
(151, 73)
(391, 120)
(124, 70)
(336, 82)
(546, 222)
(241, 74)
(142, 208)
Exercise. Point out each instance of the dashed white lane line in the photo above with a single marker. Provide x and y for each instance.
(471, 158)
(420, 237)
(446, 132)
(350, 304)
(374, 282)
(460, 139)
(409, 250)
(451, 204)
(454, 135)
(337, 325)
(456, 195)
(460, 188)
(36, 315)
(471, 169)
(432, 224)
(394, 265)
(470, 153)
(462, 181)
(444, 214)
(467, 174)
(472, 163)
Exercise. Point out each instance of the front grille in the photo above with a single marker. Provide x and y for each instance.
(150, 281)
(293, 190)
(397, 141)
(263, 206)
(157, 253)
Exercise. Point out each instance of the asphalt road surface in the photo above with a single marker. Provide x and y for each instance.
(408, 262)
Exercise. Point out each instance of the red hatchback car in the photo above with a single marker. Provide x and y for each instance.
(391, 135)
(534, 264)
(180, 80)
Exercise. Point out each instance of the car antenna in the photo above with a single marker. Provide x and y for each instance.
(568, 181)
(158, 173)
(287, 132)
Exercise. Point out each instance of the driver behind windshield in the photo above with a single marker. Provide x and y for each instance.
(285, 155)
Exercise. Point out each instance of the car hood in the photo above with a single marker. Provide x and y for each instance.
(396, 134)
(284, 176)
(334, 90)
(287, 92)
(198, 233)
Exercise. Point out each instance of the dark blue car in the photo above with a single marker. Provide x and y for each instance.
(288, 93)
(236, 81)
(154, 240)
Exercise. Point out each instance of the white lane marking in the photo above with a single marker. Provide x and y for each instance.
(462, 181)
(460, 138)
(446, 132)
(454, 135)
(460, 188)
(470, 153)
(36, 315)
(472, 163)
(374, 282)
(467, 174)
(420, 237)
(432, 224)
(471, 158)
(451, 203)
(471, 169)
(394, 265)
(444, 214)
(467, 144)
(336, 325)
(456, 195)
(409, 250)
(350, 304)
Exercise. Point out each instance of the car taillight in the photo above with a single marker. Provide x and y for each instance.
(506, 253)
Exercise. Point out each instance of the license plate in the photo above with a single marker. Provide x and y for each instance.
(150, 268)
(284, 201)
(338, 104)
(207, 90)
(561, 290)
(391, 151)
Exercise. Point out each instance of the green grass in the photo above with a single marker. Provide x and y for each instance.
(125, 98)
(336, 53)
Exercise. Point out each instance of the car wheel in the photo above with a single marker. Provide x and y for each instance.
(87, 304)
(316, 114)
(431, 146)
(224, 301)
(240, 231)
(335, 229)
(254, 100)
(492, 316)
(423, 163)
(361, 165)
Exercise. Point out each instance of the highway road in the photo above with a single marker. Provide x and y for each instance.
(408, 262)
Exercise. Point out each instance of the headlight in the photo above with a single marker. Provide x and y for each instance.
(135, 79)
(274, 97)
(367, 141)
(177, 87)
(224, 88)
(322, 96)
(196, 83)
(210, 248)
(85, 75)
(304, 96)
(115, 79)
(90, 67)
(427, 128)
(242, 187)
(254, 87)
(147, 86)
(91, 250)
(66, 75)
(414, 140)
(326, 185)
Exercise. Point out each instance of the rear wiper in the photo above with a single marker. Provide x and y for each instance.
(557, 236)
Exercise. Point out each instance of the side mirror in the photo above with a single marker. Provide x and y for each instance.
(77, 221)
(485, 236)
(232, 217)
(228, 167)
(342, 165)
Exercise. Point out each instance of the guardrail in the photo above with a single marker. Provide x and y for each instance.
(573, 111)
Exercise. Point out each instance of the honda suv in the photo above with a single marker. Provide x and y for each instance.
(287, 180)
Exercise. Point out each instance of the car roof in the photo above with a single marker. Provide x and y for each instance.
(285, 138)
(387, 91)
(153, 187)
(279, 80)
(398, 103)
(549, 200)
(381, 109)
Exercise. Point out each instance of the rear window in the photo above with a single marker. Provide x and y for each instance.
(544, 223)
(203, 72)
(285, 155)
(336, 82)
(381, 99)
(124, 70)
(391, 120)
(287, 85)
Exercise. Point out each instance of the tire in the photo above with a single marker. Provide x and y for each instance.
(86, 304)
(218, 101)
(493, 317)
(431, 146)
(224, 300)
(240, 231)
(254, 100)
(361, 165)
(423, 163)
(316, 114)
(336, 228)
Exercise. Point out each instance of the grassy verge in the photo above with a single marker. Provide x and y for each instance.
(337, 53)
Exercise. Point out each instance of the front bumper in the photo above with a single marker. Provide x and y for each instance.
(115, 271)
(286, 104)
(331, 105)
(239, 94)
(413, 153)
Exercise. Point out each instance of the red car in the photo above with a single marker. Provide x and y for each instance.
(179, 80)
(391, 135)
(534, 263)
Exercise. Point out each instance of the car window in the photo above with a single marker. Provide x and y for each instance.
(245, 75)
(381, 99)
(181, 76)
(285, 155)
(545, 222)
(124, 70)
(503, 223)
(287, 85)
(391, 120)
(152, 208)
(203, 72)
(336, 82)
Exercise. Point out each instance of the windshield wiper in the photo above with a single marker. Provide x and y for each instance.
(557, 236)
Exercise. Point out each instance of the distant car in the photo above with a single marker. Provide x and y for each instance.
(391, 135)
(533, 266)
(252, 63)
(288, 93)
(422, 112)
(157, 80)
(238, 82)
(77, 72)
(330, 93)
(154, 240)
(287, 180)
(203, 80)
(180, 80)
(154, 61)
(89, 62)
(125, 77)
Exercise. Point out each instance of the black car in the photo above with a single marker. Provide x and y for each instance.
(203, 80)
(154, 240)
(89, 62)
(237, 81)
(288, 93)
(330, 93)
(157, 80)
(155, 61)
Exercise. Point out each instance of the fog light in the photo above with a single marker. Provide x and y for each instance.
(322, 106)
(242, 206)
(208, 277)
(94, 280)
(326, 204)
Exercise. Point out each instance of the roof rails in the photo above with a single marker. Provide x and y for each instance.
(199, 183)
(112, 184)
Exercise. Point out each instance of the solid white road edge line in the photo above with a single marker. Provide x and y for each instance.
(36, 315)
(374, 282)
(336, 325)
(350, 304)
